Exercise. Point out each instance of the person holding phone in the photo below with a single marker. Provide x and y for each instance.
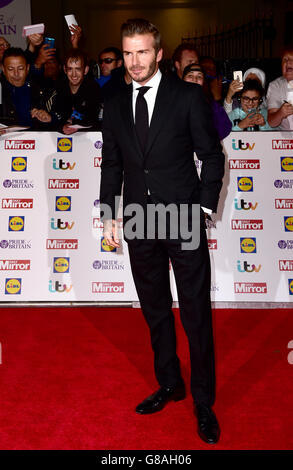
(253, 73)
(23, 102)
(248, 116)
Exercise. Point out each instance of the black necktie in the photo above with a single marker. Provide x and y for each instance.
(142, 117)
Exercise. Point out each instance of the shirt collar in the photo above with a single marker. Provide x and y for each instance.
(153, 82)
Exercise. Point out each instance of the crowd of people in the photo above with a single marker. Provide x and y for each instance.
(41, 92)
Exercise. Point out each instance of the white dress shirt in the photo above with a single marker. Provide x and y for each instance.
(150, 95)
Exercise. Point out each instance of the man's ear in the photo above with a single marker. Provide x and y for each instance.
(160, 55)
(119, 62)
(27, 68)
(177, 65)
(86, 70)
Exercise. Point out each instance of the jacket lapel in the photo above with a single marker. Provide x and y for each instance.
(127, 114)
(160, 113)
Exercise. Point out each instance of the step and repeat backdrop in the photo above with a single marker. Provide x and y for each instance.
(51, 241)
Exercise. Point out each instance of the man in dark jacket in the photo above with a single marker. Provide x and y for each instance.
(22, 97)
(150, 133)
(78, 99)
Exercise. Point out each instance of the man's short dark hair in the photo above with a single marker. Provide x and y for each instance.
(14, 52)
(185, 46)
(75, 55)
(114, 50)
(141, 26)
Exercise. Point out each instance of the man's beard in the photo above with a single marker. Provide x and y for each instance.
(142, 78)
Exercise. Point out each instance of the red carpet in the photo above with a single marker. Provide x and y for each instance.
(71, 378)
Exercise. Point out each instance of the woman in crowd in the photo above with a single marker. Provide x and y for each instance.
(194, 73)
(249, 115)
(230, 102)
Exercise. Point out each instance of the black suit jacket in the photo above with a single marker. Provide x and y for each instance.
(181, 124)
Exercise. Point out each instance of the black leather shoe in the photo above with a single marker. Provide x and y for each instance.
(208, 426)
(159, 399)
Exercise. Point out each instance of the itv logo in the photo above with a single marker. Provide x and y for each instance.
(62, 165)
(242, 145)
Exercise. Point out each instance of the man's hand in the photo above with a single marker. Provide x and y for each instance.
(68, 130)
(286, 110)
(45, 53)
(111, 233)
(41, 115)
(75, 37)
(35, 40)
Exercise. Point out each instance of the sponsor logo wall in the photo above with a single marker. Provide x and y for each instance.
(51, 241)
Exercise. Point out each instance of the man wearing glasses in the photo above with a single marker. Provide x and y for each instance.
(109, 59)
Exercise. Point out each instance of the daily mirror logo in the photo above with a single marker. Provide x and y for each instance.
(250, 288)
(283, 203)
(17, 203)
(241, 164)
(15, 265)
(282, 144)
(20, 145)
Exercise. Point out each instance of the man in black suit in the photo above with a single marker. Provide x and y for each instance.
(149, 137)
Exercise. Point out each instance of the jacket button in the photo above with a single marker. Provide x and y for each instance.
(146, 171)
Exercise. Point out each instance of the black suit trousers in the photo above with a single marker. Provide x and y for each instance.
(150, 268)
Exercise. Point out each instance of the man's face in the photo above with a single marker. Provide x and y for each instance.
(209, 67)
(287, 65)
(187, 57)
(194, 77)
(140, 57)
(108, 62)
(51, 68)
(75, 71)
(16, 70)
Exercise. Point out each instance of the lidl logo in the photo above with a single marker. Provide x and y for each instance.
(64, 144)
(290, 286)
(61, 265)
(288, 223)
(286, 163)
(63, 203)
(19, 164)
(16, 224)
(248, 245)
(12, 286)
(245, 183)
(105, 247)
